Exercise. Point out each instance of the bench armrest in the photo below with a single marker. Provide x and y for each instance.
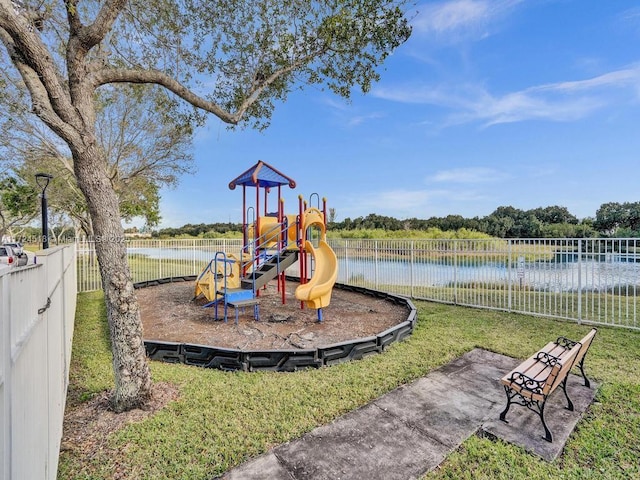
(528, 383)
(547, 359)
(568, 344)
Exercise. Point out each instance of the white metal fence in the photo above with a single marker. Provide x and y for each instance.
(590, 280)
(152, 259)
(37, 309)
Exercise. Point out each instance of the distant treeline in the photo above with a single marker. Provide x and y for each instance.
(202, 230)
(612, 220)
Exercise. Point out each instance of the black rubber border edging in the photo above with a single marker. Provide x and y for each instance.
(281, 360)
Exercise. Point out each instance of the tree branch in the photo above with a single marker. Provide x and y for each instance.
(257, 91)
(72, 16)
(40, 99)
(122, 75)
(110, 75)
(27, 50)
(93, 34)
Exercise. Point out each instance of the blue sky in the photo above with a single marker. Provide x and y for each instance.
(528, 103)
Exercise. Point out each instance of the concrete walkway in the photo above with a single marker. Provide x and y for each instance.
(411, 430)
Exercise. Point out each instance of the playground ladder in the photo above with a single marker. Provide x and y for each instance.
(269, 269)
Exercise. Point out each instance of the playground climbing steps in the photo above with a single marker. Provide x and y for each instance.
(268, 270)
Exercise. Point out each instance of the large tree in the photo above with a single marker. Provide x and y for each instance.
(232, 58)
(614, 216)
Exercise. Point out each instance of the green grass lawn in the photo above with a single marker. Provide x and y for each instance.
(223, 419)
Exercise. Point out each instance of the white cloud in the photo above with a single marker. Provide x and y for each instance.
(469, 175)
(414, 203)
(452, 96)
(360, 119)
(631, 18)
(335, 103)
(523, 105)
(344, 113)
(616, 79)
(407, 200)
(561, 101)
(454, 20)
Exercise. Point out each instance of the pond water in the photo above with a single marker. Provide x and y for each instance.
(552, 276)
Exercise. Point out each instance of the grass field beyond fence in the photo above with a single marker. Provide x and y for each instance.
(222, 419)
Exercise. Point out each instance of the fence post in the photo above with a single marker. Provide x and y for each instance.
(455, 272)
(346, 261)
(159, 261)
(509, 272)
(375, 248)
(193, 257)
(579, 281)
(413, 246)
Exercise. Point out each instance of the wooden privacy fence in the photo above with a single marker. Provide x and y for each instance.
(37, 310)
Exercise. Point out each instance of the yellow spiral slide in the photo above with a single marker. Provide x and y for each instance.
(317, 291)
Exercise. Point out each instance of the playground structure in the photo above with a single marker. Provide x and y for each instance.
(272, 242)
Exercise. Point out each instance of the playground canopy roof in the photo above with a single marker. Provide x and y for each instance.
(262, 175)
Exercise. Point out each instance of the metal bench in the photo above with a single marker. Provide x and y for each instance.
(535, 379)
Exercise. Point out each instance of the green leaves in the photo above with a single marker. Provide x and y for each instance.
(613, 216)
(18, 203)
(247, 56)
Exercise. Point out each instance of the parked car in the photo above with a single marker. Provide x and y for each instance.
(15, 246)
(19, 253)
(7, 257)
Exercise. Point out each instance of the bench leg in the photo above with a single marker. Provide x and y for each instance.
(503, 415)
(587, 383)
(533, 405)
(566, 394)
(547, 432)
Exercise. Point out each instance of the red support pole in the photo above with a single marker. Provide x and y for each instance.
(302, 259)
(245, 236)
(266, 200)
(281, 217)
(324, 211)
(257, 229)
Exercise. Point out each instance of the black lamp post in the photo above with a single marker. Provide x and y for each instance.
(43, 179)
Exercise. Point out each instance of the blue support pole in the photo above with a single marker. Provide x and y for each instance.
(320, 315)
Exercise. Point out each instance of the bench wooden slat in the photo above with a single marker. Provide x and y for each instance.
(554, 349)
(531, 368)
(586, 343)
(567, 364)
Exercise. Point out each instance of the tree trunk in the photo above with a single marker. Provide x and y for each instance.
(132, 375)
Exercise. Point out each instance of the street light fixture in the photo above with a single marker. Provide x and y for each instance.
(43, 179)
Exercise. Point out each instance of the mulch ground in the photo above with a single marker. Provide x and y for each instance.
(169, 313)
